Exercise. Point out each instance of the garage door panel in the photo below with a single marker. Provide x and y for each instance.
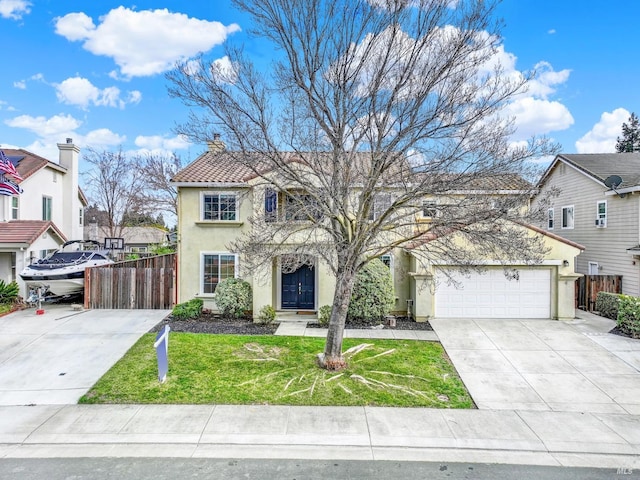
(492, 295)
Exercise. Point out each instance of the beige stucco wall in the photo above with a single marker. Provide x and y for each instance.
(562, 279)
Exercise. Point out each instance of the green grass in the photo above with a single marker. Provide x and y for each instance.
(5, 308)
(232, 369)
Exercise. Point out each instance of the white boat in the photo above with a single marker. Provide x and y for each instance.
(62, 273)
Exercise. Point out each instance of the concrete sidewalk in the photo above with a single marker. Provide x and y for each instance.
(354, 433)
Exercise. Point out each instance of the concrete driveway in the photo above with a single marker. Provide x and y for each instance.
(56, 357)
(544, 364)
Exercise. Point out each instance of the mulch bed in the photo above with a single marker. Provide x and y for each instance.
(212, 323)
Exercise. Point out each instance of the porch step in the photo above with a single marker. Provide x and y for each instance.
(296, 316)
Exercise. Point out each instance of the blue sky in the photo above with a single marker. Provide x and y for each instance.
(94, 70)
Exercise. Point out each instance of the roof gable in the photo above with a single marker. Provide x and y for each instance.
(26, 231)
(599, 166)
(28, 163)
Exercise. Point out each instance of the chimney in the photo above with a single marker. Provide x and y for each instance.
(216, 145)
(70, 208)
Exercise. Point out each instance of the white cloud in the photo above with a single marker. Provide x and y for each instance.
(552, 31)
(58, 125)
(602, 137)
(82, 93)
(534, 116)
(224, 70)
(53, 130)
(21, 84)
(161, 38)
(14, 9)
(158, 142)
(546, 80)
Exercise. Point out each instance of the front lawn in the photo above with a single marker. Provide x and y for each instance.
(233, 369)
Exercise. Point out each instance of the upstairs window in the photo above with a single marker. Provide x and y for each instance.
(381, 203)
(429, 209)
(601, 214)
(300, 207)
(14, 208)
(81, 216)
(219, 206)
(46, 208)
(567, 217)
(550, 215)
(270, 205)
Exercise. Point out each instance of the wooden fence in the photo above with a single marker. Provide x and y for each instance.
(587, 289)
(136, 284)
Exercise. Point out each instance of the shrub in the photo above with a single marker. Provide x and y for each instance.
(324, 314)
(267, 314)
(629, 315)
(187, 310)
(607, 304)
(233, 297)
(8, 292)
(372, 296)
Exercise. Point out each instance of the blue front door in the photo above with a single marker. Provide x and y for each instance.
(298, 289)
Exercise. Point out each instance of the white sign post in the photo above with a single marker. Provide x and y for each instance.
(162, 350)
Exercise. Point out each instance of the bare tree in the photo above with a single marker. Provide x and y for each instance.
(115, 186)
(372, 108)
(157, 171)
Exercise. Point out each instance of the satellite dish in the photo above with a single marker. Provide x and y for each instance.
(613, 181)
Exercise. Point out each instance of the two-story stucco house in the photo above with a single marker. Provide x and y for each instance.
(587, 210)
(218, 198)
(47, 213)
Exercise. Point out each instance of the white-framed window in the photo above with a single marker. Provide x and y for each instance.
(15, 208)
(550, 215)
(270, 205)
(429, 209)
(55, 177)
(593, 268)
(387, 259)
(601, 213)
(219, 206)
(300, 206)
(567, 217)
(214, 268)
(138, 249)
(81, 216)
(381, 203)
(47, 203)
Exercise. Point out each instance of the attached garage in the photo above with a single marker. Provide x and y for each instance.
(492, 295)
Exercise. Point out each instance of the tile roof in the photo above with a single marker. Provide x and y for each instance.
(225, 167)
(29, 163)
(602, 165)
(26, 231)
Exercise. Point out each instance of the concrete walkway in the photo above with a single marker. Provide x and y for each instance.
(300, 329)
(56, 357)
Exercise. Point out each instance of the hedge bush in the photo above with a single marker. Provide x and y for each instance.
(324, 314)
(187, 310)
(607, 304)
(372, 296)
(629, 315)
(233, 297)
(267, 314)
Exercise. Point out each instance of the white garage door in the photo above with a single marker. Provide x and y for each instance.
(492, 295)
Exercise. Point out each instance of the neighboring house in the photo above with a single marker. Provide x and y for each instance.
(49, 212)
(587, 211)
(135, 239)
(217, 196)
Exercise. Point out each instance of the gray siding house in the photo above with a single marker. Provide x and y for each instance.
(606, 221)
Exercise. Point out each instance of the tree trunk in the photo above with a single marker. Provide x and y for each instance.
(332, 358)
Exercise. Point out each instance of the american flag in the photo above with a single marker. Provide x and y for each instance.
(7, 167)
(8, 187)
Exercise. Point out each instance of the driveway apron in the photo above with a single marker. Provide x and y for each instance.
(56, 357)
(548, 365)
